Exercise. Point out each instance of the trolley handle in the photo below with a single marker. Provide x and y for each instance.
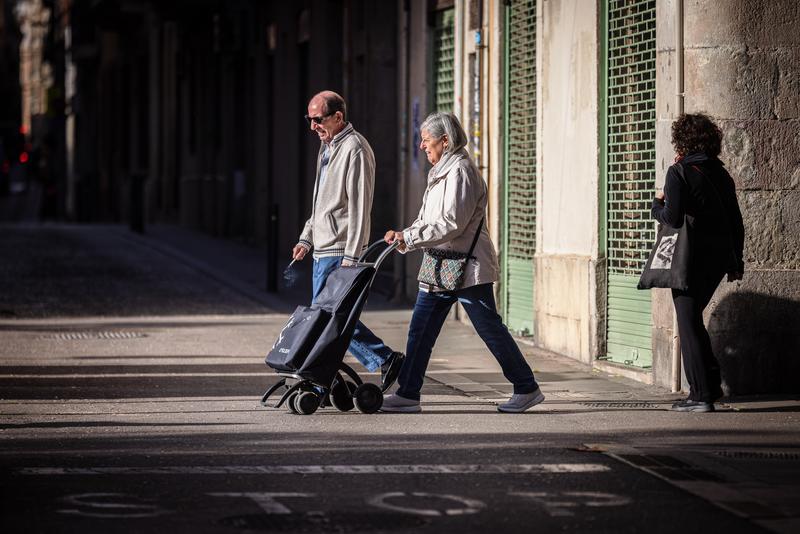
(372, 248)
(375, 246)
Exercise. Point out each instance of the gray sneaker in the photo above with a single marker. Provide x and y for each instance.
(519, 402)
(689, 405)
(398, 404)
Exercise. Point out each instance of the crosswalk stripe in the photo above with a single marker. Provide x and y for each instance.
(128, 375)
(397, 469)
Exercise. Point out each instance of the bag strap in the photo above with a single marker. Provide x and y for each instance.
(475, 239)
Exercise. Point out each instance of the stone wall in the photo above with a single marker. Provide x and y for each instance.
(742, 66)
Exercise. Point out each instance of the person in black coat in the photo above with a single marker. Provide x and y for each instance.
(699, 187)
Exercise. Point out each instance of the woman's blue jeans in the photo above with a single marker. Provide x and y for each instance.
(368, 348)
(430, 313)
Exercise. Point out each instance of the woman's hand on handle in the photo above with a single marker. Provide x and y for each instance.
(392, 236)
(395, 236)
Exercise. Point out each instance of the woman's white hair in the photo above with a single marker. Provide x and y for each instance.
(439, 124)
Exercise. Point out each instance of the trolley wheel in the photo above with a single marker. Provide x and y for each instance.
(290, 403)
(306, 403)
(368, 398)
(342, 395)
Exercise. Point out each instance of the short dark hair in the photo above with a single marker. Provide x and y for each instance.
(696, 133)
(333, 102)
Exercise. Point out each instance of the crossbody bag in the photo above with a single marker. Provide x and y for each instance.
(445, 269)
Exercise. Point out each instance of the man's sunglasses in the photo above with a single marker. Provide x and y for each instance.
(317, 120)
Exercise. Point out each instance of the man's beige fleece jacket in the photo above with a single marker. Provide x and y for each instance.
(340, 215)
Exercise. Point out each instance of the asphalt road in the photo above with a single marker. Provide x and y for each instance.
(190, 461)
(130, 388)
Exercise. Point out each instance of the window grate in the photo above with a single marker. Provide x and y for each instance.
(519, 218)
(631, 133)
(630, 175)
(443, 66)
(521, 178)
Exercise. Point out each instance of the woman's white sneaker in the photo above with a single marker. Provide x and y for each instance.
(398, 404)
(519, 402)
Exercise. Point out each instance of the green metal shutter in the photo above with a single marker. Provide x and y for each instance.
(519, 218)
(629, 162)
(443, 55)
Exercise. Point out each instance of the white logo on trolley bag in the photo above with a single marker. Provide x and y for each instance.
(280, 336)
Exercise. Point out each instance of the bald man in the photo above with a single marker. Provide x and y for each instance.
(339, 226)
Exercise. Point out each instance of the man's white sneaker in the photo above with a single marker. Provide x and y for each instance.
(398, 404)
(519, 402)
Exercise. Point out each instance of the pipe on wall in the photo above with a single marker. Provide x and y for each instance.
(679, 105)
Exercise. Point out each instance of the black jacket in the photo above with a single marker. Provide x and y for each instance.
(708, 197)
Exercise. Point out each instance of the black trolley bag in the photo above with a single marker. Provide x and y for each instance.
(310, 349)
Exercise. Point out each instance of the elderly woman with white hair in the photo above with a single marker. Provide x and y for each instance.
(452, 224)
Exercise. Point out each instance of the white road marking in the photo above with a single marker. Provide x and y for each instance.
(398, 469)
(556, 505)
(107, 505)
(472, 506)
(119, 401)
(112, 375)
(553, 508)
(266, 500)
(129, 375)
(596, 499)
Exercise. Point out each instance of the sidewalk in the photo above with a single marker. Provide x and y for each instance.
(460, 360)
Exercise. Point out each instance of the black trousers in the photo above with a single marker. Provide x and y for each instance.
(699, 363)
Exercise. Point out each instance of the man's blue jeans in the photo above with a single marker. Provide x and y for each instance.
(430, 312)
(368, 348)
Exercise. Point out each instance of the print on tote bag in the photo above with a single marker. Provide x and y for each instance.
(664, 253)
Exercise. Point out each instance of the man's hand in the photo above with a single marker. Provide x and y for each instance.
(299, 252)
(732, 277)
(660, 196)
